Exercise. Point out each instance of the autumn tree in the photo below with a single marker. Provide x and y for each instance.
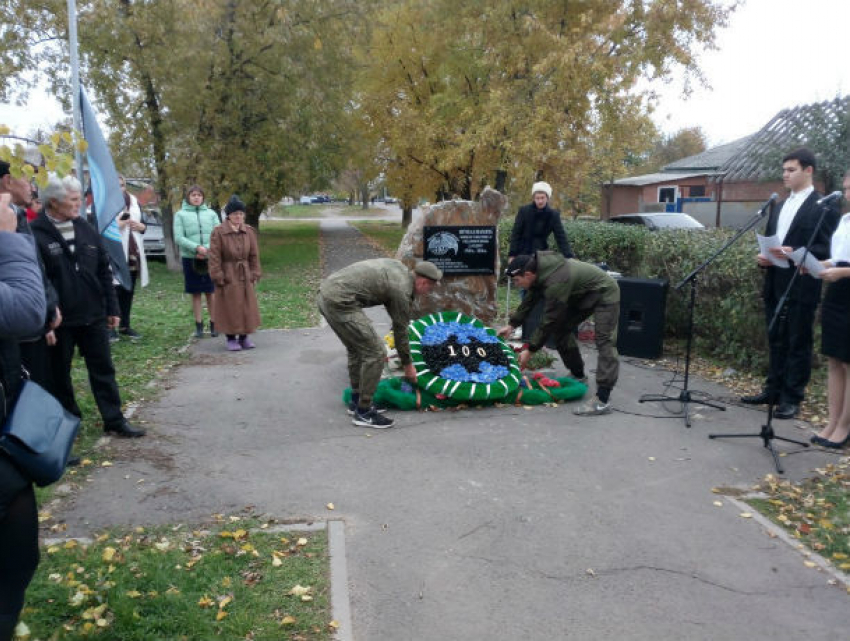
(514, 92)
(669, 148)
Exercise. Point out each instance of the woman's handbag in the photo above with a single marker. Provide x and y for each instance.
(201, 266)
(38, 434)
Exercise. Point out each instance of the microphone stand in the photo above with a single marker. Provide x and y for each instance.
(685, 396)
(767, 435)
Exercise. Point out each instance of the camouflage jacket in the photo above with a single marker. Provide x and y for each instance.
(380, 281)
(565, 284)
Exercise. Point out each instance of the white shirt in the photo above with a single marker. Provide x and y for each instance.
(789, 210)
(840, 248)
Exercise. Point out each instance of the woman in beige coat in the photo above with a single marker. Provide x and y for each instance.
(235, 269)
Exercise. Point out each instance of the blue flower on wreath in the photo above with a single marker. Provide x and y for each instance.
(440, 332)
(486, 373)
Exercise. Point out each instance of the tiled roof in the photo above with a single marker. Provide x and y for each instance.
(789, 128)
(710, 159)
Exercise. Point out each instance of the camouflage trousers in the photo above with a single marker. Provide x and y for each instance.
(606, 318)
(366, 351)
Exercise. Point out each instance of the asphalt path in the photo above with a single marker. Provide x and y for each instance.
(498, 523)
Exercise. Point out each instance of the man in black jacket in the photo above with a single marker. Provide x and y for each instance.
(535, 222)
(78, 266)
(791, 339)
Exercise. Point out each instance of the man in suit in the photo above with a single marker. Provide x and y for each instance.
(791, 339)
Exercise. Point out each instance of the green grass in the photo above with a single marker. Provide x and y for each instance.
(227, 581)
(289, 252)
(338, 209)
(386, 234)
(815, 511)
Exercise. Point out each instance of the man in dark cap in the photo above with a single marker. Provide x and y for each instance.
(573, 290)
(342, 298)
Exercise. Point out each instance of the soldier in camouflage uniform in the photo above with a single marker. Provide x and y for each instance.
(573, 290)
(342, 298)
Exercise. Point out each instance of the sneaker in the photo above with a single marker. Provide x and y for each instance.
(247, 343)
(371, 418)
(113, 336)
(593, 407)
(131, 333)
(233, 345)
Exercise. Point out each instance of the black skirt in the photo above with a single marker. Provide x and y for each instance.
(835, 320)
(196, 283)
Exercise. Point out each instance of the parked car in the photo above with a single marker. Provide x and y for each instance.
(153, 238)
(305, 200)
(654, 222)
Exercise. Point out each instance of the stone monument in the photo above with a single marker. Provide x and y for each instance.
(461, 233)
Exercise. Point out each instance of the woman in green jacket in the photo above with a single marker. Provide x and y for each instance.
(193, 226)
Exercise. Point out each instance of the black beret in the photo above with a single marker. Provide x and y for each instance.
(234, 204)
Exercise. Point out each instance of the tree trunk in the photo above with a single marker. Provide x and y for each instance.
(364, 196)
(501, 180)
(406, 215)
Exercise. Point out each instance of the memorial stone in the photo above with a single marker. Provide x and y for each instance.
(473, 294)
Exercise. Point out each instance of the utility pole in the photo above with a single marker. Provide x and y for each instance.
(75, 86)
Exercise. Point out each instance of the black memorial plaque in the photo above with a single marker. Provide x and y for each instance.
(461, 250)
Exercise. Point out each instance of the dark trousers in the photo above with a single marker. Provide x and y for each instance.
(18, 543)
(125, 299)
(366, 351)
(606, 318)
(93, 341)
(35, 357)
(791, 343)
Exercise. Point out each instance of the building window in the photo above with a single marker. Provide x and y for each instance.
(697, 191)
(666, 194)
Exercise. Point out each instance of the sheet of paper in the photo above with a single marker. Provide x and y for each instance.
(766, 243)
(811, 263)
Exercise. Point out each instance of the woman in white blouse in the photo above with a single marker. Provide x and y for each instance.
(835, 318)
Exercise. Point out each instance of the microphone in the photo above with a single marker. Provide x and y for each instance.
(828, 199)
(766, 207)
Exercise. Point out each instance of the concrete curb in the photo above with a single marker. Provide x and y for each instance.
(340, 598)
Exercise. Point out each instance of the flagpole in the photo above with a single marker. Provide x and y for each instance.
(75, 83)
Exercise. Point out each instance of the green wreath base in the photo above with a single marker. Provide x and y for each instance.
(390, 394)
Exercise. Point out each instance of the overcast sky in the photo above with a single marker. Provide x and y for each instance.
(774, 55)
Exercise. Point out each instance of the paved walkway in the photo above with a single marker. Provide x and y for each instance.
(480, 524)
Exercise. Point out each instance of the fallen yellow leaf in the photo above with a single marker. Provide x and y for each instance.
(108, 554)
(810, 564)
(276, 562)
(299, 590)
(301, 542)
(206, 602)
(220, 615)
(718, 503)
(287, 620)
(106, 464)
(330, 506)
(334, 624)
(746, 515)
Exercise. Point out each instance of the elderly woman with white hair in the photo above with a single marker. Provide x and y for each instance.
(77, 265)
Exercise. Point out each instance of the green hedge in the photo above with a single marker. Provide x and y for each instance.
(729, 316)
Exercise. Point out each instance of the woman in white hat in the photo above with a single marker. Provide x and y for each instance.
(535, 222)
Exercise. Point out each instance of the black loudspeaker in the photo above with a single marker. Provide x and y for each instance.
(643, 302)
